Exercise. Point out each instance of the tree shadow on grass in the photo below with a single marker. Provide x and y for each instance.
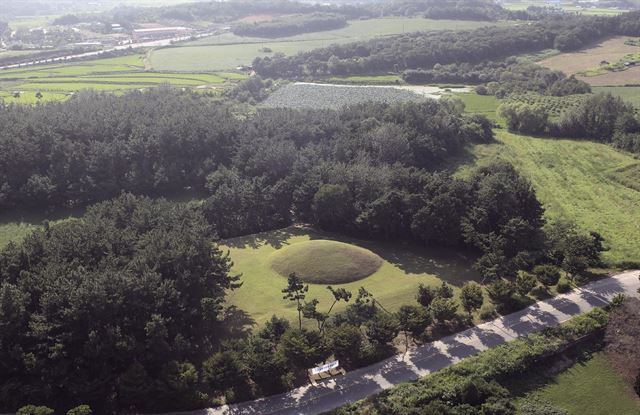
(37, 217)
(454, 267)
(276, 239)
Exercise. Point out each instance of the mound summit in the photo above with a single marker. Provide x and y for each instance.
(325, 262)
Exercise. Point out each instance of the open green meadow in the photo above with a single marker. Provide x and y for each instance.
(57, 81)
(229, 51)
(582, 181)
(394, 283)
(630, 94)
(589, 387)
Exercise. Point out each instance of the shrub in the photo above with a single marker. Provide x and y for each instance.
(525, 282)
(564, 286)
(80, 410)
(488, 312)
(34, 410)
(548, 275)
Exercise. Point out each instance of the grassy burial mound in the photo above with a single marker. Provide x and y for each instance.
(326, 262)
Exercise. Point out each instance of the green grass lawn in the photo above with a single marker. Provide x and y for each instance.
(229, 51)
(578, 180)
(395, 283)
(590, 387)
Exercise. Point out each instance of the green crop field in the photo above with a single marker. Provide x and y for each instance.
(58, 81)
(229, 51)
(590, 387)
(630, 94)
(395, 283)
(577, 180)
(555, 106)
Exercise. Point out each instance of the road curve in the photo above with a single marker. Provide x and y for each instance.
(434, 356)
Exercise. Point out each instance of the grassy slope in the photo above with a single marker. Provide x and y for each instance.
(580, 181)
(394, 284)
(228, 50)
(592, 184)
(592, 388)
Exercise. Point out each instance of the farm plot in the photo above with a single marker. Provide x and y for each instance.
(332, 96)
(630, 94)
(555, 106)
(589, 61)
(227, 50)
(56, 82)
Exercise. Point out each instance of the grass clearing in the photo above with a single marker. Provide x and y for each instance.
(15, 226)
(227, 50)
(325, 262)
(394, 284)
(590, 387)
(577, 180)
(630, 94)
(486, 105)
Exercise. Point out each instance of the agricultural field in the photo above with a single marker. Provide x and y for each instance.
(393, 282)
(335, 96)
(590, 386)
(555, 106)
(566, 6)
(630, 94)
(308, 95)
(586, 64)
(57, 81)
(229, 51)
(582, 181)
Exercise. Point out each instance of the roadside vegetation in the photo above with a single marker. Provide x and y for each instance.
(480, 383)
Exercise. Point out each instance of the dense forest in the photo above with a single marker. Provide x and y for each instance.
(291, 25)
(111, 309)
(445, 9)
(125, 303)
(425, 50)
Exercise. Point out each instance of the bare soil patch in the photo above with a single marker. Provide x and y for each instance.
(610, 50)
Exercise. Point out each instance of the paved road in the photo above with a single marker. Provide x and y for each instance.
(434, 356)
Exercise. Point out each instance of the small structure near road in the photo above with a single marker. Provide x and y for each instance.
(325, 372)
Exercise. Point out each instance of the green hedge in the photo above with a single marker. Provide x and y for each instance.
(448, 388)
